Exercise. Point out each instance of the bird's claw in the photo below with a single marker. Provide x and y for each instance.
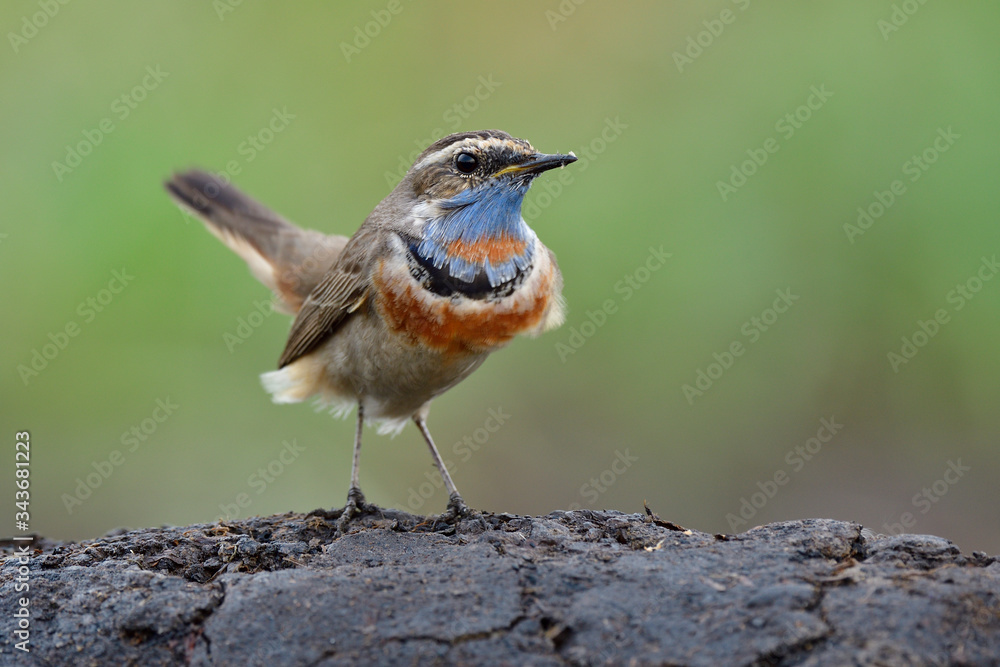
(355, 506)
(457, 509)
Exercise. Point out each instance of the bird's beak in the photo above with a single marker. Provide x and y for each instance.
(538, 163)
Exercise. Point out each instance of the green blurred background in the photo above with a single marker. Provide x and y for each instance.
(659, 119)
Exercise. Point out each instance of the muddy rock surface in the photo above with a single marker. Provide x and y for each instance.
(579, 588)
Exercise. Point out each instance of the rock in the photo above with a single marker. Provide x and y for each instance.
(582, 587)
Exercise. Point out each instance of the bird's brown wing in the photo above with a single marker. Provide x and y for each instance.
(341, 292)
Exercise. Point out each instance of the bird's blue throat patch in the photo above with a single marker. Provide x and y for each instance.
(480, 234)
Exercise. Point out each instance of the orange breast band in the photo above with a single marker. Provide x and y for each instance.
(460, 325)
(493, 249)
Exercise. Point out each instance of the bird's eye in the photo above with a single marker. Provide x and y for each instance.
(466, 163)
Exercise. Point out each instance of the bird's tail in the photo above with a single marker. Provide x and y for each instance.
(287, 259)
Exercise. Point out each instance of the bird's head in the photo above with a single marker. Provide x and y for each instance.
(468, 188)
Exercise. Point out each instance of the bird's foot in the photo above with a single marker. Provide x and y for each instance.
(457, 509)
(355, 506)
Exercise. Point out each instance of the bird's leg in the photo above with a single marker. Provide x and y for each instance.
(456, 506)
(355, 499)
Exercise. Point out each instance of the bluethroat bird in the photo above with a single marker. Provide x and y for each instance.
(442, 273)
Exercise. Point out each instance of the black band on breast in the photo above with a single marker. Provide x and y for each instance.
(440, 282)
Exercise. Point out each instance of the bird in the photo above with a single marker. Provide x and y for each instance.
(443, 272)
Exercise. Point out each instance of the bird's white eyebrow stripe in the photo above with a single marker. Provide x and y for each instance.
(478, 143)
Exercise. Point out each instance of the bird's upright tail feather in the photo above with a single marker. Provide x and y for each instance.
(288, 260)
